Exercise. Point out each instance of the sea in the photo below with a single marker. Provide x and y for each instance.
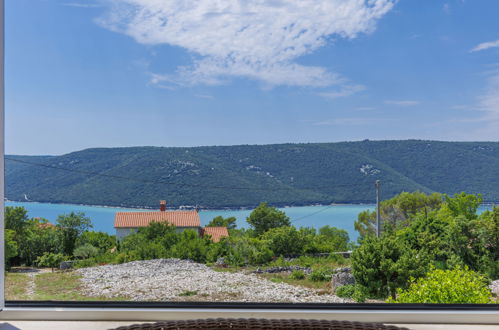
(340, 216)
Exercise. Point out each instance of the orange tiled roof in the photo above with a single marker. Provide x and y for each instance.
(45, 225)
(216, 233)
(142, 219)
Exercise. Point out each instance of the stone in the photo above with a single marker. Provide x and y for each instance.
(341, 277)
(66, 265)
(167, 279)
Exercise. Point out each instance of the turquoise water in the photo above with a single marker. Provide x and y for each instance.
(340, 216)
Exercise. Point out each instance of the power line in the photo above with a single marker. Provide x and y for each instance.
(167, 182)
(313, 213)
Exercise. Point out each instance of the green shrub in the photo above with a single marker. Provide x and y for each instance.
(360, 293)
(297, 275)
(321, 274)
(85, 251)
(456, 286)
(345, 291)
(51, 260)
(382, 265)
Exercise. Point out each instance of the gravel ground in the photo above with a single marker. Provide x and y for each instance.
(183, 280)
(494, 287)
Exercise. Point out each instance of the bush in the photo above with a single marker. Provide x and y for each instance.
(456, 286)
(384, 264)
(284, 241)
(321, 274)
(51, 260)
(297, 275)
(345, 291)
(85, 251)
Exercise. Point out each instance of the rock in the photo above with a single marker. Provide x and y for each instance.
(341, 277)
(169, 279)
(494, 288)
(273, 270)
(66, 265)
(221, 262)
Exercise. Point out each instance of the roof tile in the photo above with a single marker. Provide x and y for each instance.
(142, 219)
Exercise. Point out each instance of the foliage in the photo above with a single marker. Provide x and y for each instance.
(102, 241)
(191, 246)
(299, 174)
(284, 241)
(297, 274)
(456, 286)
(321, 274)
(345, 291)
(85, 251)
(243, 251)
(72, 226)
(51, 260)
(397, 211)
(220, 221)
(11, 247)
(330, 239)
(382, 265)
(264, 218)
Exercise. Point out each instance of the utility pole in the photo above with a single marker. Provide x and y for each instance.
(377, 184)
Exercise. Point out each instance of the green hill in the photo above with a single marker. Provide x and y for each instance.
(243, 176)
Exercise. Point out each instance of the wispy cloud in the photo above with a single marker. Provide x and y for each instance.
(81, 4)
(352, 121)
(343, 91)
(488, 102)
(205, 96)
(253, 39)
(485, 45)
(402, 103)
(446, 8)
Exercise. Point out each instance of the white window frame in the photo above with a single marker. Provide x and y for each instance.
(450, 314)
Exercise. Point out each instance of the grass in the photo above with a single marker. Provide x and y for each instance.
(15, 286)
(63, 286)
(323, 287)
(188, 293)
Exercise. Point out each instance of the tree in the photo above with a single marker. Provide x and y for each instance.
(284, 241)
(11, 247)
(52, 260)
(464, 204)
(16, 218)
(332, 239)
(85, 251)
(365, 223)
(397, 211)
(72, 226)
(220, 221)
(381, 265)
(264, 218)
(103, 241)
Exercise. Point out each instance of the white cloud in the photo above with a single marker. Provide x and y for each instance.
(81, 5)
(344, 91)
(488, 102)
(485, 45)
(254, 39)
(353, 121)
(402, 103)
(446, 8)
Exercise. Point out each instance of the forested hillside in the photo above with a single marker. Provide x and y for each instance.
(243, 176)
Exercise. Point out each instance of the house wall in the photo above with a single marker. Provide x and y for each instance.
(123, 232)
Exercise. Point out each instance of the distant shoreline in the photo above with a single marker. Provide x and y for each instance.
(191, 208)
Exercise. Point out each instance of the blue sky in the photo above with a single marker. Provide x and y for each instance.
(102, 73)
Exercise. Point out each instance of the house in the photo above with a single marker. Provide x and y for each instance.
(126, 223)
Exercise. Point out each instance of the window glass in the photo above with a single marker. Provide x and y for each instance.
(321, 151)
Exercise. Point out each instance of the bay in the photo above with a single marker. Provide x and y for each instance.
(340, 216)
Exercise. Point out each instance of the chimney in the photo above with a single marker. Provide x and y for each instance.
(162, 206)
